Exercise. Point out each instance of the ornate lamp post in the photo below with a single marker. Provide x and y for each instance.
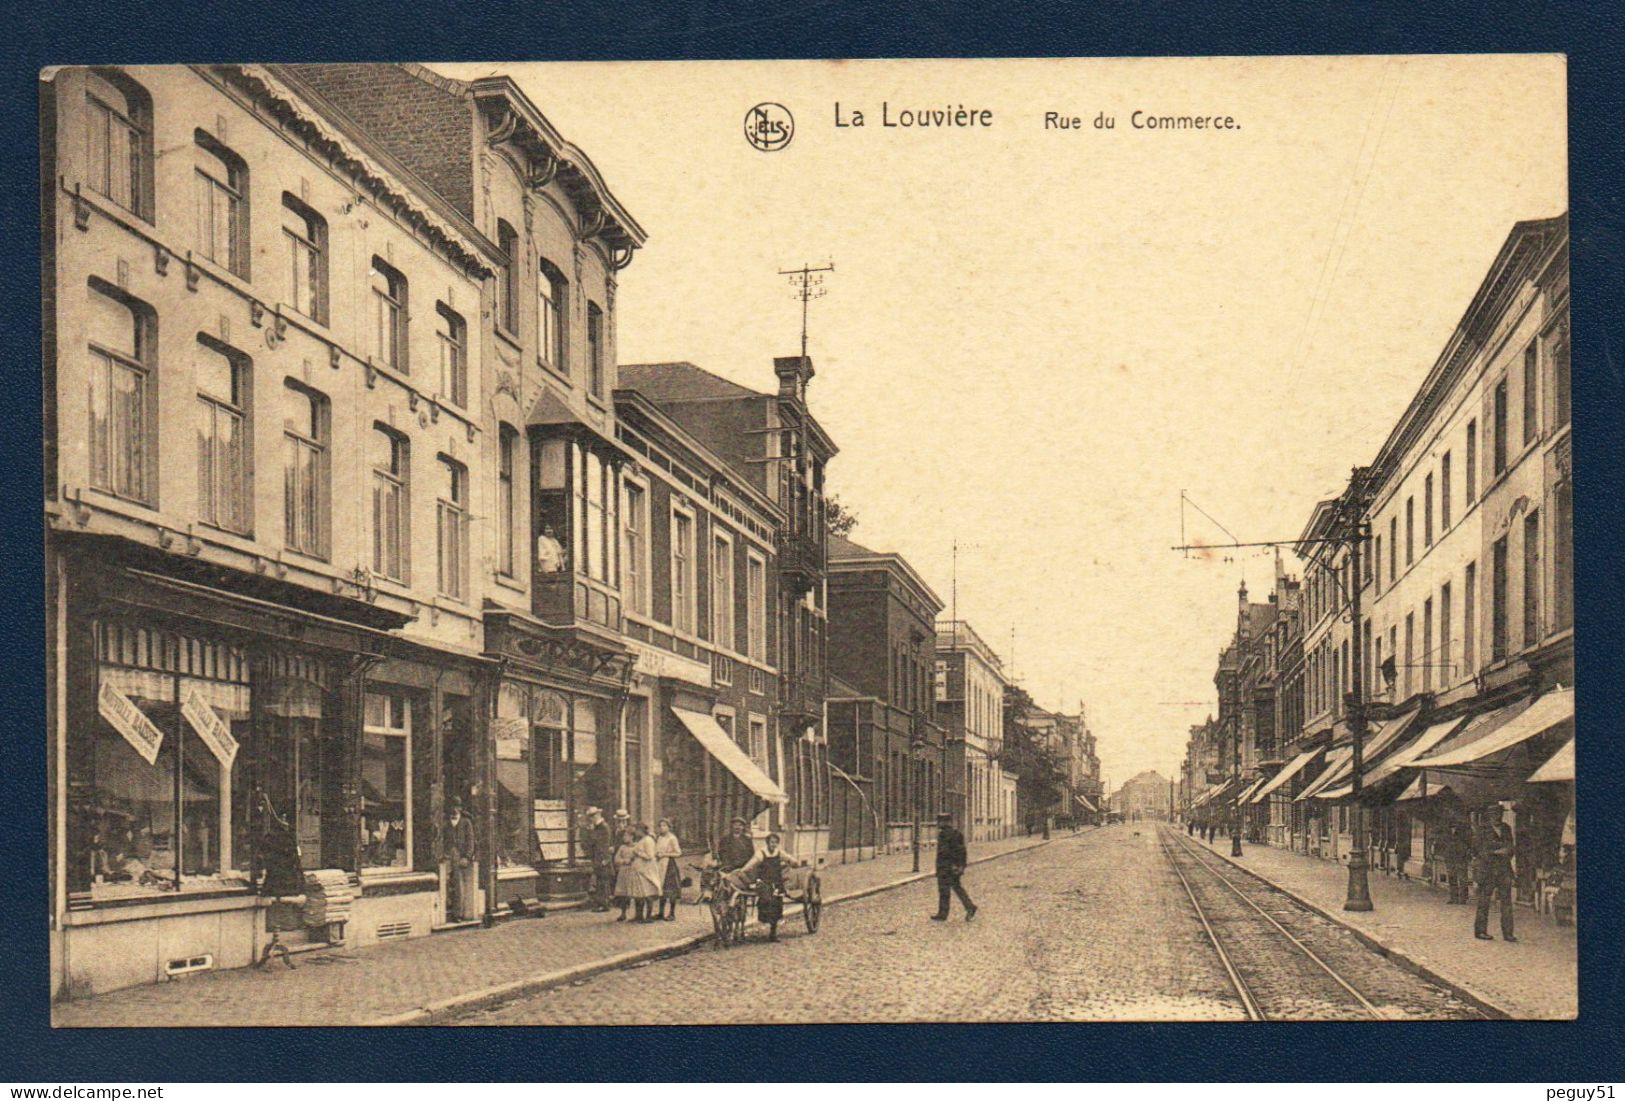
(917, 747)
(1359, 892)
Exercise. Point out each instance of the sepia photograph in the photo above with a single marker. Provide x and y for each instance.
(808, 542)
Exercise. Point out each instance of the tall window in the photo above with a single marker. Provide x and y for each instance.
(1376, 564)
(1410, 649)
(452, 528)
(682, 572)
(1444, 492)
(1471, 494)
(1410, 530)
(1557, 352)
(1500, 427)
(386, 781)
(1531, 578)
(452, 336)
(305, 232)
(595, 349)
(592, 502)
(756, 606)
(634, 568)
(222, 206)
(1427, 511)
(507, 449)
(722, 592)
(508, 278)
(118, 140)
(1469, 621)
(1498, 601)
(121, 392)
(222, 438)
(388, 314)
(391, 482)
(305, 469)
(1531, 393)
(1563, 555)
(552, 296)
(1427, 645)
(1447, 670)
(1393, 549)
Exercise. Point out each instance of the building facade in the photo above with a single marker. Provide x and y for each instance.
(260, 478)
(969, 695)
(883, 630)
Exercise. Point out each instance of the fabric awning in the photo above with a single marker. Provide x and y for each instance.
(1405, 755)
(1335, 760)
(716, 741)
(1338, 783)
(1247, 792)
(1295, 766)
(1414, 791)
(1559, 768)
(1554, 707)
(1084, 803)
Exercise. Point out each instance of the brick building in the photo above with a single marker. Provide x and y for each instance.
(969, 689)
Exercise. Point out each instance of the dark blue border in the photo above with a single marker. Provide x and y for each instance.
(69, 31)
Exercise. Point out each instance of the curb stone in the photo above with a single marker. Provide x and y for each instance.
(533, 984)
(1415, 966)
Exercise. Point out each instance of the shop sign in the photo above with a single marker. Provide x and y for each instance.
(125, 717)
(510, 735)
(209, 726)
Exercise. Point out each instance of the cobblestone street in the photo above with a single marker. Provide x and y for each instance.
(1095, 927)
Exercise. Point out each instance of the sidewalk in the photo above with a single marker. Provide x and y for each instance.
(394, 983)
(1536, 978)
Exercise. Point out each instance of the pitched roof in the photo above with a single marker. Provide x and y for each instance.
(680, 382)
(842, 547)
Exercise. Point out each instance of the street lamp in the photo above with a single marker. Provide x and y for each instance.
(1359, 892)
(917, 747)
(1235, 726)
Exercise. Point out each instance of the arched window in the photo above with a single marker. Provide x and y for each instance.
(552, 298)
(389, 302)
(508, 278)
(222, 205)
(122, 394)
(118, 140)
(596, 373)
(305, 232)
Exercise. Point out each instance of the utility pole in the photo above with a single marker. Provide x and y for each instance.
(809, 284)
(1356, 526)
(1235, 722)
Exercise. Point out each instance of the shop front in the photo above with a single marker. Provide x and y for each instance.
(197, 714)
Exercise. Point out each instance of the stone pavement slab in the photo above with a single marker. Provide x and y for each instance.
(369, 985)
(1536, 978)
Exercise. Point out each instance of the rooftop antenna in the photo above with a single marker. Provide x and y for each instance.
(809, 284)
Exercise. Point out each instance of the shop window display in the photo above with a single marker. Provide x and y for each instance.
(386, 781)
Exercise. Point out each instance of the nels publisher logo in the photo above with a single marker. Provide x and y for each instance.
(769, 127)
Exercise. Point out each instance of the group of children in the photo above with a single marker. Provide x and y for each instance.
(647, 878)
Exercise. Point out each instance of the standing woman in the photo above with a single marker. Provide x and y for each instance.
(667, 851)
(626, 855)
(646, 888)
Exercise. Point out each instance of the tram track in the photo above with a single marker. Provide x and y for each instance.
(1287, 963)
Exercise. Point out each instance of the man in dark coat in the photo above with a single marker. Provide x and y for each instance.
(1457, 856)
(600, 854)
(737, 848)
(950, 866)
(1494, 881)
(462, 856)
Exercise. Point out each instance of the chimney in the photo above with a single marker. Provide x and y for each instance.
(794, 373)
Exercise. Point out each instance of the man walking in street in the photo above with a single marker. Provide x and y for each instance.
(951, 860)
(1495, 879)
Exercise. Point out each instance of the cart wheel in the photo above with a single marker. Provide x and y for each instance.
(812, 907)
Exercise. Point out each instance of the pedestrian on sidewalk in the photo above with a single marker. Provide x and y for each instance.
(1495, 880)
(461, 853)
(625, 878)
(951, 860)
(647, 867)
(1457, 856)
(667, 851)
(601, 854)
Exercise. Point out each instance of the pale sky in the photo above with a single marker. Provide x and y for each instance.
(1034, 340)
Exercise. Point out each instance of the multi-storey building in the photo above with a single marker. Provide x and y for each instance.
(774, 443)
(883, 631)
(1144, 797)
(265, 453)
(969, 690)
(552, 568)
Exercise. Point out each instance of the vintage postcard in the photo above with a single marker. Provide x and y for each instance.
(795, 542)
